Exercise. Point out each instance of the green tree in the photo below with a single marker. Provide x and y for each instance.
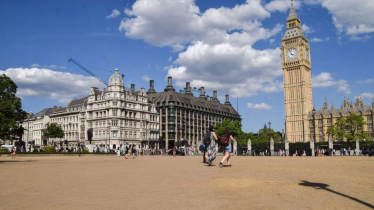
(353, 123)
(332, 130)
(53, 131)
(235, 128)
(10, 108)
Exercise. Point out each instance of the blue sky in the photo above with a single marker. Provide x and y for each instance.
(224, 45)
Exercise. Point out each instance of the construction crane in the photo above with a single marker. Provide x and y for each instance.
(88, 71)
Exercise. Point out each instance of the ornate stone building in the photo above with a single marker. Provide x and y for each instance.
(296, 65)
(35, 125)
(115, 115)
(184, 117)
(320, 120)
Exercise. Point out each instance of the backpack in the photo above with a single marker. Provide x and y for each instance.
(225, 140)
(207, 139)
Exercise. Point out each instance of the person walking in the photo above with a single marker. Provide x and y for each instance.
(13, 152)
(133, 151)
(212, 152)
(79, 150)
(127, 149)
(227, 149)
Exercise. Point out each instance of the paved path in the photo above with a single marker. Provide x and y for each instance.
(164, 182)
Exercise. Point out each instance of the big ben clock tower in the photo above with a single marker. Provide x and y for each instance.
(296, 65)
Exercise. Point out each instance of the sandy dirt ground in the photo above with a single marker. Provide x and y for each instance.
(165, 182)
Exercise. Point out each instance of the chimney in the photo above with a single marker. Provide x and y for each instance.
(202, 93)
(215, 96)
(188, 89)
(132, 87)
(151, 87)
(228, 100)
(170, 85)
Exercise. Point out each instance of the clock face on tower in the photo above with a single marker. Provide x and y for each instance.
(291, 54)
(307, 54)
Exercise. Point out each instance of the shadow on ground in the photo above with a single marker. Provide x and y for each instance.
(323, 186)
(17, 161)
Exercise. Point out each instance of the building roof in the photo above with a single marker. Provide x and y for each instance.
(46, 111)
(191, 102)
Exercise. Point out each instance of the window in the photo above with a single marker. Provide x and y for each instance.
(319, 122)
(329, 121)
(370, 127)
(369, 118)
(114, 111)
(114, 133)
(114, 103)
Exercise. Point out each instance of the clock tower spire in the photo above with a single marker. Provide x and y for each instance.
(296, 65)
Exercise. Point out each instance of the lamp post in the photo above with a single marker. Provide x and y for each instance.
(109, 135)
(269, 123)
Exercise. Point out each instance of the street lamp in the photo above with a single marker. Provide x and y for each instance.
(109, 135)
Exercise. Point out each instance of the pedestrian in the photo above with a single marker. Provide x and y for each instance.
(13, 152)
(174, 151)
(211, 150)
(227, 149)
(133, 151)
(127, 149)
(79, 150)
(118, 152)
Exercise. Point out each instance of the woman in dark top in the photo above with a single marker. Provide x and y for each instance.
(227, 149)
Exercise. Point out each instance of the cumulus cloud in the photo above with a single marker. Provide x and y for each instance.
(306, 29)
(215, 47)
(146, 78)
(258, 106)
(367, 95)
(319, 40)
(281, 5)
(62, 86)
(325, 79)
(114, 14)
(350, 17)
(366, 81)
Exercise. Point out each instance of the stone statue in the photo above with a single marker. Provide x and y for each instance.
(271, 146)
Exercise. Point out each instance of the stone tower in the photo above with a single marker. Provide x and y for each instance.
(296, 65)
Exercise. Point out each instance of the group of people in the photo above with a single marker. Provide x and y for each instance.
(210, 147)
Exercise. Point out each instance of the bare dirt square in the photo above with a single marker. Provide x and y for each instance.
(165, 182)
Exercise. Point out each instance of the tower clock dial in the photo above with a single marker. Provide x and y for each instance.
(307, 55)
(291, 54)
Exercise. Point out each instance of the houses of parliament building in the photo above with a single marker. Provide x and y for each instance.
(302, 121)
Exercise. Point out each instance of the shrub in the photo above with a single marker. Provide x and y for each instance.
(4, 150)
(49, 149)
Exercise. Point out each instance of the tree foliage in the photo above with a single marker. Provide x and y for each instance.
(54, 131)
(10, 108)
(348, 128)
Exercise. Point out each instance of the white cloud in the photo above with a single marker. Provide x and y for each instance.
(114, 14)
(326, 80)
(350, 17)
(306, 29)
(366, 81)
(281, 5)
(35, 82)
(319, 40)
(146, 78)
(215, 47)
(367, 95)
(35, 65)
(176, 23)
(259, 106)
